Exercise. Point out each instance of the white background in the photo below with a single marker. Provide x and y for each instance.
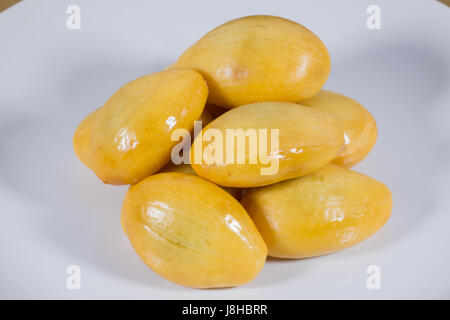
(56, 213)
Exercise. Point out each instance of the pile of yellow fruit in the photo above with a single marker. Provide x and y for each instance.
(209, 225)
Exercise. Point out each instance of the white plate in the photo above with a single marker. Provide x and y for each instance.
(56, 213)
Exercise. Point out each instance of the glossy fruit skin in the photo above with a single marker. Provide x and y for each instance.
(191, 232)
(82, 138)
(360, 128)
(323, 212)
(130, 136)
(187, 169)
(308, 140)
(259, 58)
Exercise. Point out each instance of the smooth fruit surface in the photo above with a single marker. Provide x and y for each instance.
(259, 58)
(82, 137)
(130, 136)
(360, 129)
(308, 139)
(323, 212)
(192, 232)
(187, 169)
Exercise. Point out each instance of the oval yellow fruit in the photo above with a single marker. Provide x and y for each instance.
(360, 129)
(323, 212)
(187, 169)
(130, 136)
(82, 136)
(259, 58)
(263, 143)
(191, 232)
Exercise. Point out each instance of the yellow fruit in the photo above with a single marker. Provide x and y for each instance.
(259, 58)
(326, 211)
(180, 168)
(130, 136)
(308, 140)
(187, 169)
(191, 232)
(360, 129)
(82, 136)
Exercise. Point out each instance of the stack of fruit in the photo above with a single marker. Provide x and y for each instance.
(287, 193)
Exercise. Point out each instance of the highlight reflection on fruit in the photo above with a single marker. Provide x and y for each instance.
(192, 232)
(258, 76)
(328, 210)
